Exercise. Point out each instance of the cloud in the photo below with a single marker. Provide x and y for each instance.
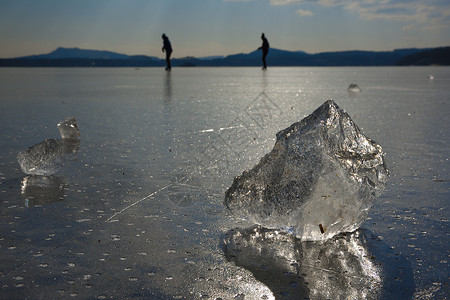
(409, 27)
(378, 10)
(430, 14)
(436, 27)
(415, 14)
(304, 13)
(284, 2)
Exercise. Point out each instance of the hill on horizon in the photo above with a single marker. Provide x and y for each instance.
(76, 57)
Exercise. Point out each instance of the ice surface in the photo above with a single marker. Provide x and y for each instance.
(125, 158)
(45, 158)
(69, 129)
(320, 178)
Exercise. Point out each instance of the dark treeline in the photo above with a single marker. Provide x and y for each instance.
(438, 56)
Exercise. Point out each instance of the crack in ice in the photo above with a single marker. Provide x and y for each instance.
(110, 219)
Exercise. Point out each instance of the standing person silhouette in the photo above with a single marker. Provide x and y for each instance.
(265, 50)
(167, 47)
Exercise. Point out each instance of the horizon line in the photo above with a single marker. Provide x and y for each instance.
(218, 55)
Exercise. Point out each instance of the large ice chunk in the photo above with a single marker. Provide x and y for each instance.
(320, 178)
(69, 129)
(45, 158)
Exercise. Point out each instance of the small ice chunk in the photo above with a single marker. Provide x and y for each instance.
(45, 158)
(320, 178)
(69, 129)
(354, 88)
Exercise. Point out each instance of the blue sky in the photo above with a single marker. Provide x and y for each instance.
(221, 27)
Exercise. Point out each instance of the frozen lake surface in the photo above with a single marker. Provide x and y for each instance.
(137, 209)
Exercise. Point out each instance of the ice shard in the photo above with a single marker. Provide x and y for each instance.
(69, 129)
(320, 178)
(45, 158)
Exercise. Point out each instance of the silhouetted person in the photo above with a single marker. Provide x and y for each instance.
(265, 50)
(167, 47)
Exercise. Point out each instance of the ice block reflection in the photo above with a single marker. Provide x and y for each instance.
(338, 268)
(71, 146)
(41, 190)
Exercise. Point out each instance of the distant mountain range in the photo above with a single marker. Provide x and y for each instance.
(75, 57)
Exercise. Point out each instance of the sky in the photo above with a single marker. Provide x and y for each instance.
(221, 27)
